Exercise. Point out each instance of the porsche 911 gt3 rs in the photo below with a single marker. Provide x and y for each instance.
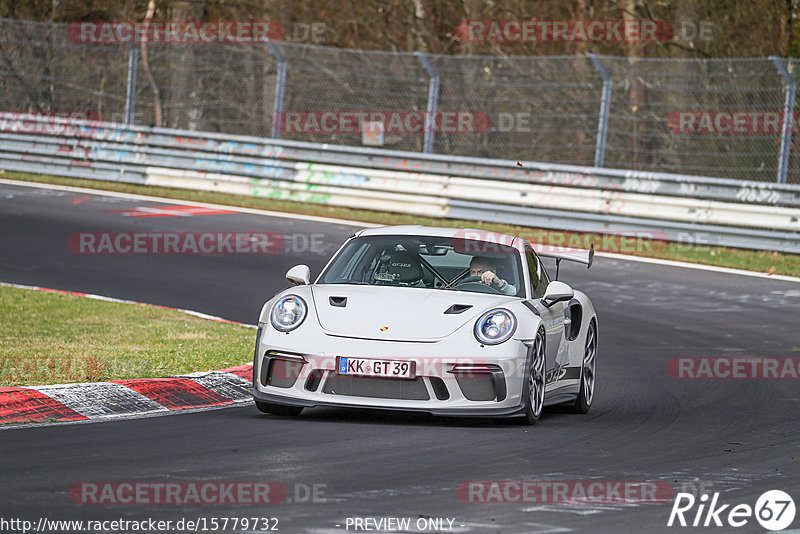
(439, 320)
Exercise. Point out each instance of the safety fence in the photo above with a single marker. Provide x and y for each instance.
(730, 118)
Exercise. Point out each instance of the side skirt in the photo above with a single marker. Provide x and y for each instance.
(562, 394)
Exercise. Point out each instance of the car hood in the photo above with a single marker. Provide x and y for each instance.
(397, 313)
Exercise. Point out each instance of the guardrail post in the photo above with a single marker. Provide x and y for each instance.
(433, 101)
(130, 93)
(280, 86)
(788, 116)
(605, 105)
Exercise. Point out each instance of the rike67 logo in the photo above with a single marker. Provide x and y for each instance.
(774, 510)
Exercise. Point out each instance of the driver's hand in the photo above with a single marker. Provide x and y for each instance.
(489, 278)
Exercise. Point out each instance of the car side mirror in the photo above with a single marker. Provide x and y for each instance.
(299, 275)
(557, 292)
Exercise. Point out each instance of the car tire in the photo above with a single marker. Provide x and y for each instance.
(586, 393)
(535, 381)
(278, 409)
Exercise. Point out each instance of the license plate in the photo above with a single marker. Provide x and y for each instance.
(381, 368)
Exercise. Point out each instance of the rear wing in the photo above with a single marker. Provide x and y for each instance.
(577, 255)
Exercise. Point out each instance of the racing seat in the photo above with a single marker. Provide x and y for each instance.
(401, 268)
(428, 278)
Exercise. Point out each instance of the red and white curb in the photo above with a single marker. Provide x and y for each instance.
(118, 398)
(81, 402)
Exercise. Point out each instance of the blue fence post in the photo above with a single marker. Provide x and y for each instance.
(605, 105)
(280, 86)
(433, 102)
(130, 93)
(788, 112)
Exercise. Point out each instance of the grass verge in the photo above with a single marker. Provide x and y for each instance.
(52, 338)
(751, 260)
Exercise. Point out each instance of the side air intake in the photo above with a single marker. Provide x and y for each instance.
(457, 308)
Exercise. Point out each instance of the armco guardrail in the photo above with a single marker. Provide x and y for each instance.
(681, 208)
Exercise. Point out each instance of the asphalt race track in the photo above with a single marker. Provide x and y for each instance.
(736, 437)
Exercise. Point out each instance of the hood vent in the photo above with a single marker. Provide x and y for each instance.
(338, 302)
(455, 309)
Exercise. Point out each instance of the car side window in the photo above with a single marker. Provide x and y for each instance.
(534, 270)
(544, 279)
(539, 278)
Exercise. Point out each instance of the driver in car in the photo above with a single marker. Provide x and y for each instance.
(486, 269)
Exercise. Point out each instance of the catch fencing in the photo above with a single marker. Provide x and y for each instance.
(726, 118)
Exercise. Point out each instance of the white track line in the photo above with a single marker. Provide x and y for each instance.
(164, 200)
(123, 301)
(698, 266)
(330, 220)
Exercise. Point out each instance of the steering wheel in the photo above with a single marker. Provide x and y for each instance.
(473, 283)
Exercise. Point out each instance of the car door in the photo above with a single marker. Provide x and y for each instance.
(553, 316)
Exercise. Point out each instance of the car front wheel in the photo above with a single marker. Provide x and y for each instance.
(535, 382)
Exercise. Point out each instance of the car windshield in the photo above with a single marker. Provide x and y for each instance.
(427, 262)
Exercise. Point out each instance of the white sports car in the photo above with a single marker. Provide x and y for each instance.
(439, 320)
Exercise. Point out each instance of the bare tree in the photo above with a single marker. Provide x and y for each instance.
(157, 109)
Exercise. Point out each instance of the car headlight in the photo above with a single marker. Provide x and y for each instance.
(288, 313)
(495, 327)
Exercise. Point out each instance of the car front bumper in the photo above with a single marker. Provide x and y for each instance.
(453, 377)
